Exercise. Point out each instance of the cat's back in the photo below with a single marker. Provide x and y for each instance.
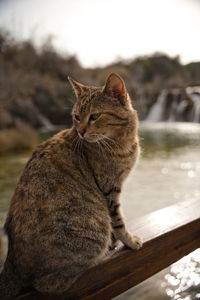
(43, 168)
(56, 182)
(55, 203)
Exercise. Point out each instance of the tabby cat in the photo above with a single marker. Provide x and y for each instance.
(65, 212)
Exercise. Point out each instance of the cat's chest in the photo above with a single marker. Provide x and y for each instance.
(111, 171)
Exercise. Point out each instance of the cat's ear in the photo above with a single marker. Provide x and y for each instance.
(77, 87)
(115, 87)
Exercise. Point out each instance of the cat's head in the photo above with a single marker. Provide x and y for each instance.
(102, 112)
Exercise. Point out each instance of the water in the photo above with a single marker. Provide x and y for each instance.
(175, 105)
(157, 111)
(168, 172)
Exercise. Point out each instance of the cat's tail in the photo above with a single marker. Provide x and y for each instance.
(10, 284)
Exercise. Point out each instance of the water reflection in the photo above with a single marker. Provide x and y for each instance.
(168, 171)
(182, 282)
(165, 138)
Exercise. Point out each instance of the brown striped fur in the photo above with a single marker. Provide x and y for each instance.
(65, 212)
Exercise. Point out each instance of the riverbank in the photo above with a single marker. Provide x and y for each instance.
(18, 139)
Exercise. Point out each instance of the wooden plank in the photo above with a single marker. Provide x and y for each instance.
(168, 235)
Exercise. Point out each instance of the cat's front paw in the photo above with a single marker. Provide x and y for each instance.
(134, 243)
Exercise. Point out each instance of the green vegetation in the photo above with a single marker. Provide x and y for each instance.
(11, 167)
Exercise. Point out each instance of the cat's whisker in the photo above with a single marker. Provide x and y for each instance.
(75, 142)
(100, 147)
(106, 142)
(110, 147)
(98, 141)
(112, 141)
(106, 145)
(81, 148)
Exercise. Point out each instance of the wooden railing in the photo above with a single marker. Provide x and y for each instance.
(168, 235)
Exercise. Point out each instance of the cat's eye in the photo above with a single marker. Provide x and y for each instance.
(94, 116)
(77, 117)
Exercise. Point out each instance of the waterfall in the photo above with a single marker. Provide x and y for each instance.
(196, 108)
(182, 106)
(173, 110)
(46, 123)
(174, 105)
(194, 94)
(157, 110)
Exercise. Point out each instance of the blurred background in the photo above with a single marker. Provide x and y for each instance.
(155, 46)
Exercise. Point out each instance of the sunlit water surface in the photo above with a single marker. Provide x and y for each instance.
(168, 172)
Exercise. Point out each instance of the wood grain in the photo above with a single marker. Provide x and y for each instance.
(168, 235)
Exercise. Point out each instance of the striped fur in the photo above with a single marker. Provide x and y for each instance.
(65, 213)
